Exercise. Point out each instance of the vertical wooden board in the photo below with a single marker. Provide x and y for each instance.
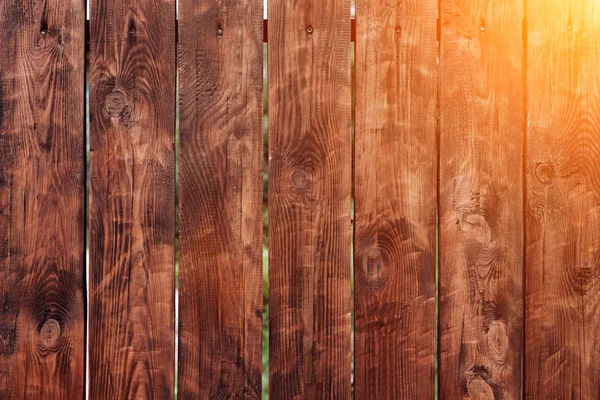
(220, 303)
(395, 199)
(481, 199)
(42, 197)
(309, 199)
(132, 201)
(563, 200)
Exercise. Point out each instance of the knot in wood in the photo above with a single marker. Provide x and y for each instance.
(50, 332)
(116, 104)
(497, 342)
(544, 173)
(300, 181)
(373, 267)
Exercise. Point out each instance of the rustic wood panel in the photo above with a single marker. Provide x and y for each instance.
(481, 199)
(220, 303)
(563, 200)
(395, 199)
(42, 197)
(309, 198)
(132, 186)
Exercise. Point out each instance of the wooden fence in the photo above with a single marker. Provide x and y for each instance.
(473, 169)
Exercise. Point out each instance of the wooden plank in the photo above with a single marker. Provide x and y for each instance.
(395, 199)
(481, 199)
(42, 197)
(220, 301)
(132, 199)
(563, 200)
(309, 199)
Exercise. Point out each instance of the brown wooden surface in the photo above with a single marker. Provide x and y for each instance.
(563, 200)
(132, 186)
(395, 199)
(309, 199)
(42, 189)
(220, 212)
(481, 199)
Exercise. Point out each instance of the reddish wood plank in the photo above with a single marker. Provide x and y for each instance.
(132, 185)
(220, 303)
(309, 198)
(395, 199)
(481, 199)
(42, 197)
(563, 200)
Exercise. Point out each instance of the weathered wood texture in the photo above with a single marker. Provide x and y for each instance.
(395, 199)
(563, 200)
(132, 186)
(42, 197)
(220, 65)
(309, 198)
(481, 199)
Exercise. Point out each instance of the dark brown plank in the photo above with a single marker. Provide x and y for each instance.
(309, 199)
(132, 186)
(220, 212)
(481, 199)
(563, 200)
(395, 199)
(42, 197)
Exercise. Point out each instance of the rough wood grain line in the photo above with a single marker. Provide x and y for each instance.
(132, 201)
(481, 199)
(309, 199)
(563, 200)
(42, 197)
(220, 303)
(395, 199)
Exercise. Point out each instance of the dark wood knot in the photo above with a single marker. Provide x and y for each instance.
(116, 104)
(300, 181)
(50, 332)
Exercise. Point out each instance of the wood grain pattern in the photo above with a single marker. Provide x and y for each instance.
(42, 197)
(563, 200)
(309, 199)
(395, 199)
(220, 303)
(132, 186)
(481, 199)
